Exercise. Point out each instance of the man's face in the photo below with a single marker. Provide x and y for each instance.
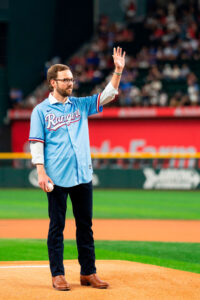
(63, 84)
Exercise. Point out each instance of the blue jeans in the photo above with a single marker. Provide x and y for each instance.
(81, 197)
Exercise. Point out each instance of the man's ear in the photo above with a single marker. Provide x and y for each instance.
(53, 83)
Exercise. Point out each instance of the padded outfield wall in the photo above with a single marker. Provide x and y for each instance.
(146, 178)
(162, 130)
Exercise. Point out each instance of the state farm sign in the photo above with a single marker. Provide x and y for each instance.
(130, 135)
(141, 145)
(145, 135)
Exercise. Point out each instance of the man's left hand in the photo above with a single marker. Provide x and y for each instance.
(119, 59)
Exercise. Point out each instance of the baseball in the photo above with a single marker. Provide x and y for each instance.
(50, 187)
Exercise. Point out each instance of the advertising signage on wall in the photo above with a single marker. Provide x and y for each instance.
(162, 135)
(126, 112)
(126, 130)
(145, 135)
(186, 179)
(147, 178)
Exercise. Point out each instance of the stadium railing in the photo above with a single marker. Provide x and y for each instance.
(116, 170)
(117, 155)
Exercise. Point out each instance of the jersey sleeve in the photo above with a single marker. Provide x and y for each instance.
(36, 127)
(91, 104)
(94, 106)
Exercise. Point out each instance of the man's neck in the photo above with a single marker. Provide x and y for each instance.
(59, 97)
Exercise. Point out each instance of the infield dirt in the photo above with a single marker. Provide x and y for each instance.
(124, 230)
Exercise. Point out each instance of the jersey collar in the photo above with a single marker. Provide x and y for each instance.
(53, 100)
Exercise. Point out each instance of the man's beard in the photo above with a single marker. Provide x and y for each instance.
(64, 92)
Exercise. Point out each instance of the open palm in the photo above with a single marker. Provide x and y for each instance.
(119, 58)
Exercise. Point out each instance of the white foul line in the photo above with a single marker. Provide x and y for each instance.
(14, 267)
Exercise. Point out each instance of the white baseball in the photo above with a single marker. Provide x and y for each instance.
(50, 187)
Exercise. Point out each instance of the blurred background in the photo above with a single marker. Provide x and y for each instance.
(157, 110)
(145, 144)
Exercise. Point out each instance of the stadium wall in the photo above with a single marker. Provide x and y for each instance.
(39, 30)
(129, 130)
(145, 178)
(156, 130)
(3, 94)
(30, 41)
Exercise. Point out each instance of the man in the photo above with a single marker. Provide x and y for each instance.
(60, 150)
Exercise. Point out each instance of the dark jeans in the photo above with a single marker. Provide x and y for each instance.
(81, 197)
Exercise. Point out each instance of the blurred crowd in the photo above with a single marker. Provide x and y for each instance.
(162, 61)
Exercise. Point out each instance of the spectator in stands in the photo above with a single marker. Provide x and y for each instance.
(16, 97)
(171, 41)
(193, 89)
(154, 73)
(131, 10)
(176, 72)
(167, 71)
(184, 71)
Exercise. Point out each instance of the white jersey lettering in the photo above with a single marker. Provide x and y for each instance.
(53, 122)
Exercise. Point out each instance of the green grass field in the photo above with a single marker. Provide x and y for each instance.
(119, 204)
(122, 204)
(183, 256)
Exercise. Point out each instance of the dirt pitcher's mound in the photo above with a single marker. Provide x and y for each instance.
(128, 280)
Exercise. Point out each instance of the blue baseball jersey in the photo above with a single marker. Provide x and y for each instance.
(63, 128)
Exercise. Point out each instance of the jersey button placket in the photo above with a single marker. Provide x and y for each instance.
(66, 111)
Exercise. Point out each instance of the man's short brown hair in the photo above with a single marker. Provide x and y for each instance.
(53, 71)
